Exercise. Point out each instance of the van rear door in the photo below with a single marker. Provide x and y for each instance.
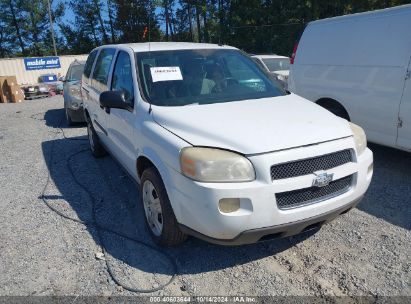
(404, 130)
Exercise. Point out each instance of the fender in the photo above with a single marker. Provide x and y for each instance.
(162, 148)
(161, 167)
(164, 171)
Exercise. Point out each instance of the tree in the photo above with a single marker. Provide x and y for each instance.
(97, 12)
(6, 44)
(168, 18)
(110, 19)
(182, 22)
(269, 26)
(76, 41)
(13, 19)
(26, 26)
(198, 14)
(132, 19)
(89, 25)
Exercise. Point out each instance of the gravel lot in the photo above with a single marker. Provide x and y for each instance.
(365, 252)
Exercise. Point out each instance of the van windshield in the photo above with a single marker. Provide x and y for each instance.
(203, 76)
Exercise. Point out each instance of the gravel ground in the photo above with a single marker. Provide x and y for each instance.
(365, 252)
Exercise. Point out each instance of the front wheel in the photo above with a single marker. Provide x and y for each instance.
(68, 118)
(160, 218)
(96, 147)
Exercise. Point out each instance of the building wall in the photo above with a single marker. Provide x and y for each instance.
(15, 67)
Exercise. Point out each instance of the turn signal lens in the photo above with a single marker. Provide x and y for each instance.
(188, 166)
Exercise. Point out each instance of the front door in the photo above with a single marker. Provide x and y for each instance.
(121, 121)
(404, 130)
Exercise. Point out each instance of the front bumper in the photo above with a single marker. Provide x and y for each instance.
(195, 204)
(76, 115)
(274, 232)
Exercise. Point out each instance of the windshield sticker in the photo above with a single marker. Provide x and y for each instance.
(166, 73)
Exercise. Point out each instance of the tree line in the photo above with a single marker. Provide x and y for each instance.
(257, 26)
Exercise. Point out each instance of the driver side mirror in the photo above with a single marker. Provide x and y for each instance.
(113, 99)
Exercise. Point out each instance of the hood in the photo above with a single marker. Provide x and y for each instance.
(253, 126)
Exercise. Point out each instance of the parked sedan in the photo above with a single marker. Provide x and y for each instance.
(73, 104)
(279, 66)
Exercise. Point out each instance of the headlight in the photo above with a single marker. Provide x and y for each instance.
(214, 165)
(359, 138)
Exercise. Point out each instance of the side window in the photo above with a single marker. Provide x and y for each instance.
(123, 78)
(89, 65)
(102, 68)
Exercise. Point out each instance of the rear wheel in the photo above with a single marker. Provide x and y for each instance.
(95, 146)
(160, 218)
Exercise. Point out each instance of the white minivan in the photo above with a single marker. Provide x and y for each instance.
(358, 67)
(220, 150)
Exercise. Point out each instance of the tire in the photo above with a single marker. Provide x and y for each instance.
(95, 146)
(68, 118)
(170, 233)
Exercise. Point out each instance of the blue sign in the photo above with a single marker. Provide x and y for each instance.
(42, 63)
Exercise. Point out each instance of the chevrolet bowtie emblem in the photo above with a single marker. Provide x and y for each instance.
(322, 179)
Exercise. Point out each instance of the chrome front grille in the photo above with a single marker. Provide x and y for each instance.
(311, 165)
(306, 196)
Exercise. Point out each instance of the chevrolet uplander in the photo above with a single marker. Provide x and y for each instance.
(220, 150)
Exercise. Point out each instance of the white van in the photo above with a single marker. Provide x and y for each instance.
(358, 67)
